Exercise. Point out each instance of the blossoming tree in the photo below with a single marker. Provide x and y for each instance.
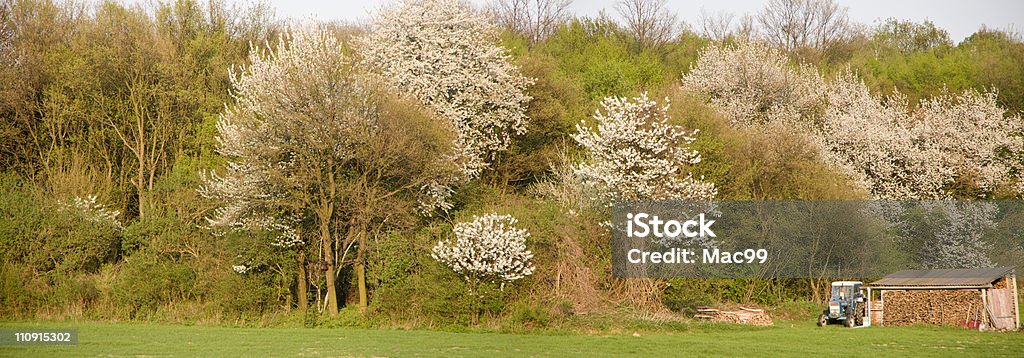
(490, 248)
(444, 54)
(633, 153)
(317, 148)
(753, 84)
(949, 146)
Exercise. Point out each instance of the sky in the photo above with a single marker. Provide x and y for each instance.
(960, 18)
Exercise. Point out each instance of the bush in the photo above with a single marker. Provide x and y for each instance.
(246, 295)
(50, 236)
(146, 282)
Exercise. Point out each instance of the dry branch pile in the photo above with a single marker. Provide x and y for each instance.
(942, 307)
(743, 315)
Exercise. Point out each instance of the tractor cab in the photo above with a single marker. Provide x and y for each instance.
(846, 304)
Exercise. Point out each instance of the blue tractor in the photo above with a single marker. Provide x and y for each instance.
(847, 304)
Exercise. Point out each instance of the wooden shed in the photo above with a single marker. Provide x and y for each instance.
(983, 298)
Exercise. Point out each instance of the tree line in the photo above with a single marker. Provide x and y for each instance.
(210, 154)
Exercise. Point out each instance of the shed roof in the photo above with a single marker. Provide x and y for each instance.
(942, 278)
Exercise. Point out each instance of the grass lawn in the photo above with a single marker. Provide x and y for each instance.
(785, 339)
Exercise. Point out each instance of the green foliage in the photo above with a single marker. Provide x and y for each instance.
(762, 164)
(599, 56)
(412, 284)
(908, 37)
(998, 59)
(920, 61)
(145, 282)
(246, 295)
(51, 237)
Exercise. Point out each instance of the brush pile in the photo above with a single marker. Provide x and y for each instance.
(742, 315)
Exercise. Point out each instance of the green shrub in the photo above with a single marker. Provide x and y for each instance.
(246, 295)
(49, 236)
(146, 282)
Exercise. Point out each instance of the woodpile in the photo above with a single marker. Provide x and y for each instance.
(1002, 283)
(743, 315)
(942, 307)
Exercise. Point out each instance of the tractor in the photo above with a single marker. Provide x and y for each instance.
(847, 304)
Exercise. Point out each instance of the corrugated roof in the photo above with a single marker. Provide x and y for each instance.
(979, 277)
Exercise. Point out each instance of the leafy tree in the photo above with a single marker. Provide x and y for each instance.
(997, 58)
(908, 37)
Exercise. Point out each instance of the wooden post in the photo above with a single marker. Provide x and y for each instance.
(1016, 304)
(985, 321)
(881, 315)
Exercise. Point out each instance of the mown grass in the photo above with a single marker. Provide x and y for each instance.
(784, 339)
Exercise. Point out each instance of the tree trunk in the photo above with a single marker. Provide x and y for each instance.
(361, 268)
(301, 285)
(332, 292)
(361, 275)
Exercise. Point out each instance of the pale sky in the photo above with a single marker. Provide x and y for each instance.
(960, 18)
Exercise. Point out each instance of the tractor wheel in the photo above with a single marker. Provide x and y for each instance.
(848, 322)
(822, 320)
(859, 321)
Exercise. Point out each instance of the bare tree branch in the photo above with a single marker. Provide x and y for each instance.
(533, 19)
(650, 21)
(793, 24)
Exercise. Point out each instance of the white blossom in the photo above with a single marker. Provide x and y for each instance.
(240, 269)
(294, 105)
(872, 140)
(444, 54)
(899, 154)
(959, 242)
(752, 83)
(93, 210)
(489, 247)
(892, 150)
(634, 154)
(976, 138)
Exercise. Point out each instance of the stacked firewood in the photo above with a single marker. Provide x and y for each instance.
(742, 315)
(942, 307)
(1002, 283)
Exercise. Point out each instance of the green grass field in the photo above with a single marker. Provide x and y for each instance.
(785, 339)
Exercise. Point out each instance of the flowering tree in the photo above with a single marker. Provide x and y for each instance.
(979, 143)
(898, 154)
(444, 54)
(488, 248)
(315, 147)
(947, 143)
(959, 241)
(872, 140)
(634, 154)
(752, 83)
